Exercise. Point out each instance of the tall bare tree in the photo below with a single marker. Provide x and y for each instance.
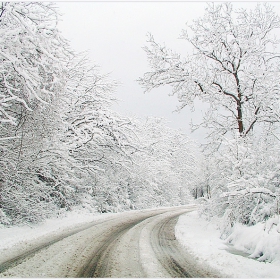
(234, 67)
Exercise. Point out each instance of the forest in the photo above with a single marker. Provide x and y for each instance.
(62, 146)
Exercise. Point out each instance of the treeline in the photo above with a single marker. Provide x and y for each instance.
(61, 145)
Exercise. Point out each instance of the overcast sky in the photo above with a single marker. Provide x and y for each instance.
(114, 33)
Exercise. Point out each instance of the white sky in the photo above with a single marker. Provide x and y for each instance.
(114, 33)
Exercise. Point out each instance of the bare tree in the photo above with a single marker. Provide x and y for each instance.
(234, 67)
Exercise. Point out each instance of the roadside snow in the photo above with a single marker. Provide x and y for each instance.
(202, 240)
(16, 239)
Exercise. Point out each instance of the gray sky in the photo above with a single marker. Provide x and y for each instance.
(114, 33)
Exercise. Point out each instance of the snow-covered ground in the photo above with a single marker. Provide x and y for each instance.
(16, 240)
(201, 239)
(17, 235)
(96, 246)
(21, 235)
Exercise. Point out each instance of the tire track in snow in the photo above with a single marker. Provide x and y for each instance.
(36, 249)
(99, 263)
(134, 244)
(29, 253)
(144, 248)
(175, 260)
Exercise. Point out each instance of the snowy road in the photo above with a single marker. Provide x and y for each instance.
(134, 244)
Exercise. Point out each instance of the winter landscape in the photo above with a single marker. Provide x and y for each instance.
(94, 182)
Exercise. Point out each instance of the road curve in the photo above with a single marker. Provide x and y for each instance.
(138, 244)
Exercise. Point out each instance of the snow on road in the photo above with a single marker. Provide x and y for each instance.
(201, 239)
(100, 249)
(16, 239)
(18, 236)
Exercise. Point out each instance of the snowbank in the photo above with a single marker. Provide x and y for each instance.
(261, 241)
(202, 240)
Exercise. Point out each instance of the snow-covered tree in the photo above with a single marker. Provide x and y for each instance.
(32, 53)
(32, 74)
(61, 144)
(98, 140)
(166, 165)
(234, 67)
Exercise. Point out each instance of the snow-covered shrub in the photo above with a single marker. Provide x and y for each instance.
(261, 240)
(245, 182)
(4, 220)
(30, 203)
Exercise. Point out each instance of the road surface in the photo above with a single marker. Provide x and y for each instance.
(135, 244)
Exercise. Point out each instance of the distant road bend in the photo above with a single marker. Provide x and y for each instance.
(138, 244)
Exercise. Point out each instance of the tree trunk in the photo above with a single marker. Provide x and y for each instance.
(239, 118)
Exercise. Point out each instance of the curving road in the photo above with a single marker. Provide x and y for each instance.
(134, 244)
